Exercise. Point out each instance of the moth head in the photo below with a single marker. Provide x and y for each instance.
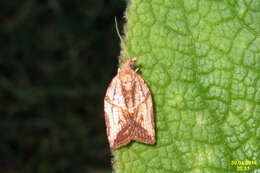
(129, 63)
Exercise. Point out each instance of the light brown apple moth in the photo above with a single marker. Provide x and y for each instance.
(128, 108)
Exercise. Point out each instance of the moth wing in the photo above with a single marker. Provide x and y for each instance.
(114, 93)
(141, 90)
(145, 129)
(117, 129)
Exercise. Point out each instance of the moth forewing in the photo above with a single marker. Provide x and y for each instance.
(128, 108)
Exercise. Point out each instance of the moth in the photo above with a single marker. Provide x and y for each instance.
(128, 108)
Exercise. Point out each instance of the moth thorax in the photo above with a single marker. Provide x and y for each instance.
(127, 81)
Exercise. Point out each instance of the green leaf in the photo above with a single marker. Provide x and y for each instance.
(201, 60)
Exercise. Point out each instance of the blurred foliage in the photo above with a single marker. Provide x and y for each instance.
(57, 58)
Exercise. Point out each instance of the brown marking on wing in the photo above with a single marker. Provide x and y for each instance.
(123, 137)
(141, 135)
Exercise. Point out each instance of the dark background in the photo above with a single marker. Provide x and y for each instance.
(57, 58)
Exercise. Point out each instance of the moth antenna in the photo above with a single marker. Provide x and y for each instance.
(121, 39)
(117, 31)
